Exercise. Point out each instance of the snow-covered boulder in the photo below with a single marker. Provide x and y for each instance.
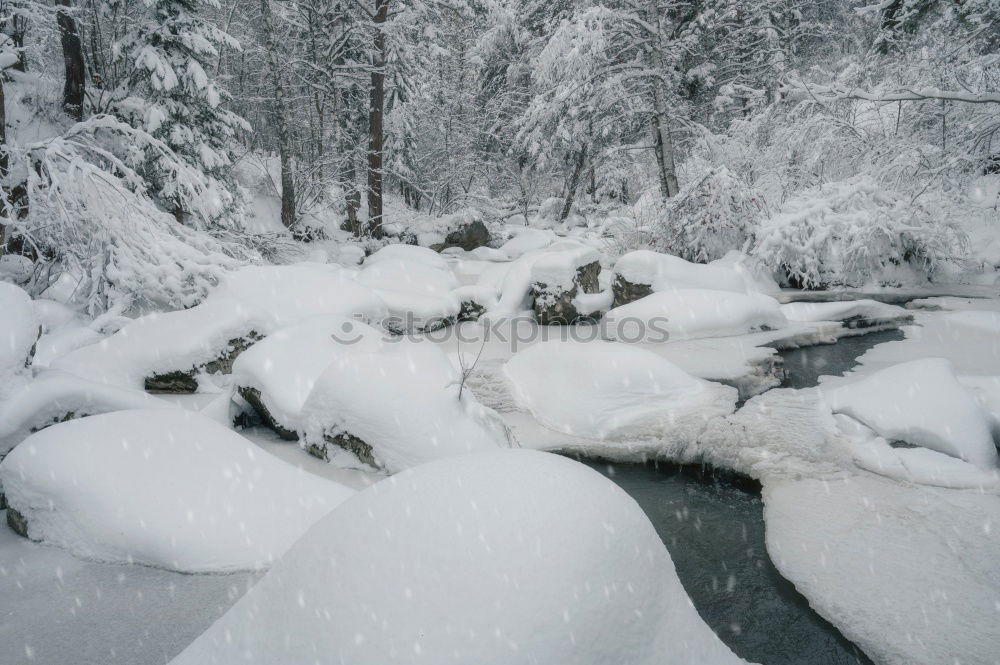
(162, 487)
(852, 313)
(166, 351)
(642, 272)
(334, 383)
(276, 375)
(465, 231)
(691, 314)
(509, 558)
(396, 404)
(557, 278)
(920, 403)
(416, 285)
(54, 397)
(608, 390)
(19, 329)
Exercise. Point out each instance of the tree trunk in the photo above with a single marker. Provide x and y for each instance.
(574, 182)
(376, 109)
(72, 49)
(4, 165)
(661, 120)
(280, 121)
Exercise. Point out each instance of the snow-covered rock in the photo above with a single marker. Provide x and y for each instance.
(920, 403)
(396, 403)
(392, 401)
(416, 285)
(19, 329)
(608, 390)
(55, 396)
(526, 239)
(558, 278)
(502, 558)
(165, 351)
(693, 313)
(163, 487)
(853, 313)
(639, 273)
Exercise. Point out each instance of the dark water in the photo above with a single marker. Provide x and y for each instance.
(803, 367)
(713, 526)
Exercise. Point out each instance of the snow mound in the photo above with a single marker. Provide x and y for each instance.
(19, 329)
(843, 311)
(279, 296)
(555, 266)
(54, 396)
(604, 389)
(920, 403)
(416, 284)
(665, 272)
(283, 367)
(692, 314)
(505, 558)
(525, 240)
(402, 399)
(163, 487)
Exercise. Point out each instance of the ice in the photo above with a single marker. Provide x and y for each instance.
(921, 403)
(605, 390)
(164, 487)
(841, 311)
(508, 557)
(665, 272)
(692, 313)
(19, 329)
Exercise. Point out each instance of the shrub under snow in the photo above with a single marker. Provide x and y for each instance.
(853, 232)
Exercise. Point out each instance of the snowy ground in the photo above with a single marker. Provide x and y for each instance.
(886, 474)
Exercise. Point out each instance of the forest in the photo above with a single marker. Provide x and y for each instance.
(499, 332)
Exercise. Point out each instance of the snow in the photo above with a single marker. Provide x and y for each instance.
(604, 390)
(403, 398)
(665, 272)
(692, 313)
(507, 557)
(416, 284)
(19, 329)
(53, 396)
(555, 266)
(921, 403)
(162, 487)
(842, 311)
(285, 366)
(908, 573)
(558, 269)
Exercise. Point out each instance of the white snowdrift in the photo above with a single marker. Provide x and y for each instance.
(53, 396)
(665, 272)
(416, 284)
(604, 390)
(509, 558)
(19, 329)
(692, 314)
(555, 266)
(163, 487)
(401, 397)
(921, 403)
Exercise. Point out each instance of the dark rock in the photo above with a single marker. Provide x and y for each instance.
(625, 291)
(348, 442)
(471, 311)
(17, 522)
(252, 396)
(468, 237)
(183, 380)
(554, 306)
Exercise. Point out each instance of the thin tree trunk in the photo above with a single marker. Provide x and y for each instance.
(376, 109)
(4, 165)
(280, 121)
(72, 49)
(661, 120)
(574, 182)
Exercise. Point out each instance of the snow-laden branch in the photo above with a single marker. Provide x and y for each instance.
(832, 93)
